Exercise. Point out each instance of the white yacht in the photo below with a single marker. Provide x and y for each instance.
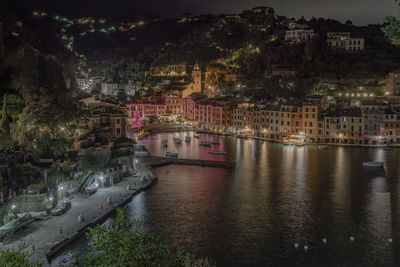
(294, 140)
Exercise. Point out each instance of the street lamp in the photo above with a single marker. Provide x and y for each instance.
(13, 207)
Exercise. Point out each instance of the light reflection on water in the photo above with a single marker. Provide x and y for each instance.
(275, 197)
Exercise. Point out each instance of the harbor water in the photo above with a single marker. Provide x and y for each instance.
(280, 205)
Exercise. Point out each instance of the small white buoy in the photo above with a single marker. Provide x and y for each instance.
(324, 240)
(296, 245)
(351, 239)
(390, 240)
(305, 248)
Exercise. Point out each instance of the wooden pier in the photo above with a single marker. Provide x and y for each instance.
(162, 161)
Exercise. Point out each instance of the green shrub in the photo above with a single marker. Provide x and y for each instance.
(11, 259)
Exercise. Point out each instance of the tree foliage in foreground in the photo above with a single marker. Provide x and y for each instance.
(12, 258)
(121, 243)
(391, 29)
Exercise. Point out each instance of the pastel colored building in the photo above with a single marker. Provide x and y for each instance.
(109, 122)
(393, 83)
(147, 109)
(390, 127)
(310, 119)
(174, 105)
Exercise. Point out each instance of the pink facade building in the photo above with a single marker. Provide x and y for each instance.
(148, 109)
(203, 111)
(174, 105)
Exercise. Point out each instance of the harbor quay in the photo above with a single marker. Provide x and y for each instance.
(43, 240)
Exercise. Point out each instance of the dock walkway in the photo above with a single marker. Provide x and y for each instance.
(156, 162)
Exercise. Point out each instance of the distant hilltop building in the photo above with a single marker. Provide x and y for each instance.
(300, 35)
(169, 70)
(338, 35)
(283, 72)
(344, 41)
(109, 88)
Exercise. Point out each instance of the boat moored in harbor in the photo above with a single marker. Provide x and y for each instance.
(373, 164)
(294, 140)
(205, 143)
(171, 155)
(217, 152)
(188, 139)
(177, 140)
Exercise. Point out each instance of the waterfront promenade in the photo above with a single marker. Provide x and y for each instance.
(42, 240)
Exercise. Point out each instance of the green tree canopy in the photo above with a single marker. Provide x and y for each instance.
(122, 243)
(391, 29)
(12, 258)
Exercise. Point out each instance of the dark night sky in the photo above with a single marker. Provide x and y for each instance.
(361, 12)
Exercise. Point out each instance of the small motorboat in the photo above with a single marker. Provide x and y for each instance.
(164, 145)
(205, 143)
(177, 141)
(373, 164)
(171, 155)
(215, 143)
(217, 152)
(188, 139)
(388, 148)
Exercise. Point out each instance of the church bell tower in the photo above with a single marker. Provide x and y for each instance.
(196, 77)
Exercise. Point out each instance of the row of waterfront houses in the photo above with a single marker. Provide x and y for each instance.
(373, 122)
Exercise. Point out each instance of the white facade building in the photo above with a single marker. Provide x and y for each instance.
(300, 35)
(109, 88)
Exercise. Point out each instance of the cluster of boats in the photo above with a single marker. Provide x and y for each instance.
(188, 139)
(178, 141)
